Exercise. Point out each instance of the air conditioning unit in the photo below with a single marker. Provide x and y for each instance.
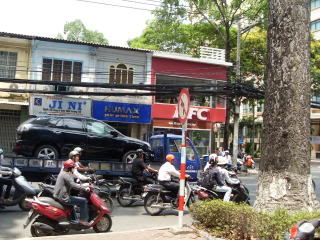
(61, 88)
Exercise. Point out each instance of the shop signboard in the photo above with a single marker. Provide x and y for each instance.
(121, 112)
(195, 114)
(59, 105)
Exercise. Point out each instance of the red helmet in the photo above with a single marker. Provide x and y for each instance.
(68, 164)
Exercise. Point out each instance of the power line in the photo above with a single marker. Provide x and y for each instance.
(114, 5)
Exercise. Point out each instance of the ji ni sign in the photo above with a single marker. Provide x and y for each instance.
(121, 112)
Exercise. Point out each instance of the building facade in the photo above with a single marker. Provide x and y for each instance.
(15, 56)
(205, 111)
(315, 18)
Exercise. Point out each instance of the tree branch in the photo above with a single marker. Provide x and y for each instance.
(209, 21)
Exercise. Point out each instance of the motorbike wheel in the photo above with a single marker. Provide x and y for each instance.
(36, 232)
(104, 225)
(124, 192)
(109, 202)
(24, 205)
(151, 199)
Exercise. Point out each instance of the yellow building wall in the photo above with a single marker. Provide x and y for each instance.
(23, 49)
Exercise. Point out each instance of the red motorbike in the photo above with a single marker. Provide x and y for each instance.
(52, 218)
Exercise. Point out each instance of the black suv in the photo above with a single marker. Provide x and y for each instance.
(53, 137)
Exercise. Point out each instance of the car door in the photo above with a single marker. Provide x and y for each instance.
(192, 158)
(101, 143)
(72, 134)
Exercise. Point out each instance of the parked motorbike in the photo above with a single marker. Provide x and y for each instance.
(21, 189)
(131, 190)
(304, 230)
(50, 217)
(158, 198)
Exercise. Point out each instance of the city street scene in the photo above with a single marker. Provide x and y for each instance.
(160, 119)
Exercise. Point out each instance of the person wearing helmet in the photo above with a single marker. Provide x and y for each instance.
(79, 166)
(166, 171)
(139, 166)
(75, 157)
(211, 156)
(211, 178)
(222, 164)
(65, 182)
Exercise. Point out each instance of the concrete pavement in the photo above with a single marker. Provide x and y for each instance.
(187, 233)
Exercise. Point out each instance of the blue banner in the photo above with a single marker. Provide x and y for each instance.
(121, 112)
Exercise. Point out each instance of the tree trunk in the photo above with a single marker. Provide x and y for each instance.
(285, 179)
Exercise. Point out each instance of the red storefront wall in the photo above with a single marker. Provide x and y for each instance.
(163, 115)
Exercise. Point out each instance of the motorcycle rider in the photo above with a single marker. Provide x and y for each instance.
(75, 157)
(211, 156)
(138, 166)
(222, 164)
(166, 171)
(80, 167)
(215, 180)
(65, 182)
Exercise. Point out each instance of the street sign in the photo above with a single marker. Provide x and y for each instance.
(183, 105)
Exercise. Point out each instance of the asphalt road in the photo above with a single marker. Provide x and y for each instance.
(12, 219)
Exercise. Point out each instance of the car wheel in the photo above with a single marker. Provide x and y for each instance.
(46, 152)
(129, 156)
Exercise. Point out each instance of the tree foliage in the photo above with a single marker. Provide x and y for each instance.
(77, 31)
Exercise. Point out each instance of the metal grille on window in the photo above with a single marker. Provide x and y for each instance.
(8, 64)
(9, 121)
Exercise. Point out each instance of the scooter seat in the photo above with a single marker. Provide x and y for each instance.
(51, 201)
(130, 180)
(158, 187)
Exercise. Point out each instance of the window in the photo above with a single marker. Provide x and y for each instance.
(8, 64)
(315, 26)
(120, 74)
(174, 145)
(260, 107)
(315, 4)
(316, 98)
(72, 124)
(61, 70)
(98, 128)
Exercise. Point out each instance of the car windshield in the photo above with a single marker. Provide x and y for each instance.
(99, 128)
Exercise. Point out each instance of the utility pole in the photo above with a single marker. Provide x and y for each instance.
(236, 115)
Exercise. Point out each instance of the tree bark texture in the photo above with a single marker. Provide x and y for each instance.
(285, 179)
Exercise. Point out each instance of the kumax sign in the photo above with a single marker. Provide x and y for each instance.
(121, 112)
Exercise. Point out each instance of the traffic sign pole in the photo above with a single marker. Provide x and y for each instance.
(182, 175)
(183, 111)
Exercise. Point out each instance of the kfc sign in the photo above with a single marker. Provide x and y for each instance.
(196, 114)
(201, 114)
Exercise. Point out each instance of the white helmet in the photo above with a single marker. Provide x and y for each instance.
(73, 153)
(78, 149)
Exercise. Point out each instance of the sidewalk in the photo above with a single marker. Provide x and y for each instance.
(187, 233)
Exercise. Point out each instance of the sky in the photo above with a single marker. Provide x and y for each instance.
(47, 17)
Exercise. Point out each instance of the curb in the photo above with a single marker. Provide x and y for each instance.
(204, 234)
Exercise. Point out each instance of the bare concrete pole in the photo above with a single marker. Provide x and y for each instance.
(236, 114)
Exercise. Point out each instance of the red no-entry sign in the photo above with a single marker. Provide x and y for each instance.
(183, 105)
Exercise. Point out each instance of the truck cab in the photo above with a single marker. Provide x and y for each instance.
(164, 144)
